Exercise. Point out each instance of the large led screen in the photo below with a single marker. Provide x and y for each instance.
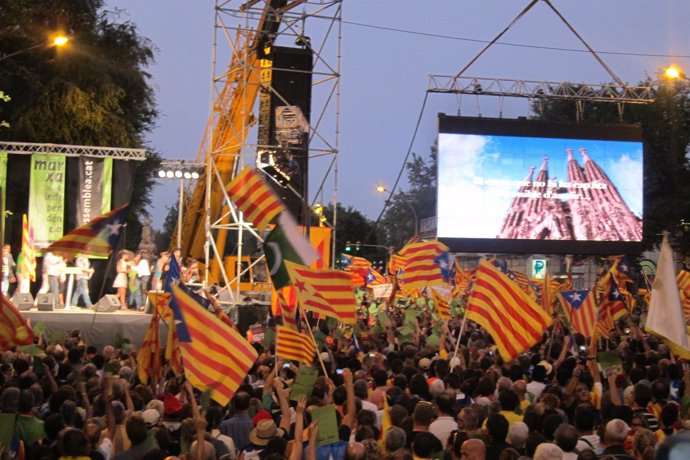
(529, 186)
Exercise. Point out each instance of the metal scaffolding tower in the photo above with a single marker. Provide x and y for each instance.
(244, 32)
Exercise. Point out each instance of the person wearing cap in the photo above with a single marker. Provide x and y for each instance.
(259, 437)
(266, 429)
(537, 384)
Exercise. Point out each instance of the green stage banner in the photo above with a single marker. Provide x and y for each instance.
(3, 188)
(95, 186)
(47, 198)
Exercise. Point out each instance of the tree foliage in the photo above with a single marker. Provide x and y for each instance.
(352, 226)
(94, 91)
(405, 208)
(666, 132)
(166, 235)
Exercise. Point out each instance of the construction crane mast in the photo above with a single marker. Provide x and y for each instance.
(247, 35)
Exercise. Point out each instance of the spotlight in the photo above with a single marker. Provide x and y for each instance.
(169, 174)
(161, 174)
(187, 175)
(195, 175)
(303, 41)
(178, 174)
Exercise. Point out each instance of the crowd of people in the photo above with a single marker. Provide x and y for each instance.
(395, 398)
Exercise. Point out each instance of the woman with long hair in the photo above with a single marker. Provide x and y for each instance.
(120, 283)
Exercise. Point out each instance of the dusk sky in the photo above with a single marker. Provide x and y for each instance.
(385, 72)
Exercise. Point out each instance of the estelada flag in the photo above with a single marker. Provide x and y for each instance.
(97, 238)
(422, 267)
(215, 357)
(294, 345)
(14, 330)
(514, 320)
(255, 198)
(581, 310)
(327, 292)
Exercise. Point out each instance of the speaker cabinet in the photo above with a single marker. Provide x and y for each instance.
(283, 125)
(250, 314)
(108, 304)
(23, 302)
(46, 302)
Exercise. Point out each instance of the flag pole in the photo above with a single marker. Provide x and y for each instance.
(462, 328)
(318, 353)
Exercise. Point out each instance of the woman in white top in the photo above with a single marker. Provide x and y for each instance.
(120, 282)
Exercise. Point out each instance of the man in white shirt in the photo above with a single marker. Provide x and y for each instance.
(143, 270)
(82, 287)
(54, 267)
(445, 423)
(540, 374)
(8, 268)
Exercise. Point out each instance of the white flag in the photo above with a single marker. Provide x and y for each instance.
(665, 317)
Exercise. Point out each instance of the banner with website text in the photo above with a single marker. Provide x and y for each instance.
(47, 198)
(95, 186)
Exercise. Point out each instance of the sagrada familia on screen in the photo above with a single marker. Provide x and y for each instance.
(593, 210)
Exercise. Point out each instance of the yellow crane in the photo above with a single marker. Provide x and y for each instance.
(227, 130)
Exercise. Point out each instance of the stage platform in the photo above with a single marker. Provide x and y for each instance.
(98, 329)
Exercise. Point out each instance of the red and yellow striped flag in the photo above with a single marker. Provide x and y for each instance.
(422, 268)
(291, 344)
(549, 292)
(255, 198)
(284, 304)
(97, 238)
(514, 320)
(605, 321)
(327, 292)
(215, 357)
(683, 280)
(14, 330)
(442, 303)
(396, 263)
(28, 263)
(580, 309)
(160, 302)
(148, 356)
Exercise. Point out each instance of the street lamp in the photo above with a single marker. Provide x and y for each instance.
(672, 72)
(382, 189)
(58, 40)
(179, 169)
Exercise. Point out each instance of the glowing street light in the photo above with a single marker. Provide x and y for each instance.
(382, 189)
(674, 73)
(57, 41)
(60, 40)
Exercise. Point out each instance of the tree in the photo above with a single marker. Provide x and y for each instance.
(406, 208)
(94, 91)
(353, 227)
(666, 132)
(166, 235)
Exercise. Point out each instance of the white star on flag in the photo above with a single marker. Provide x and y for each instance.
(115, 228)
(575, 297)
